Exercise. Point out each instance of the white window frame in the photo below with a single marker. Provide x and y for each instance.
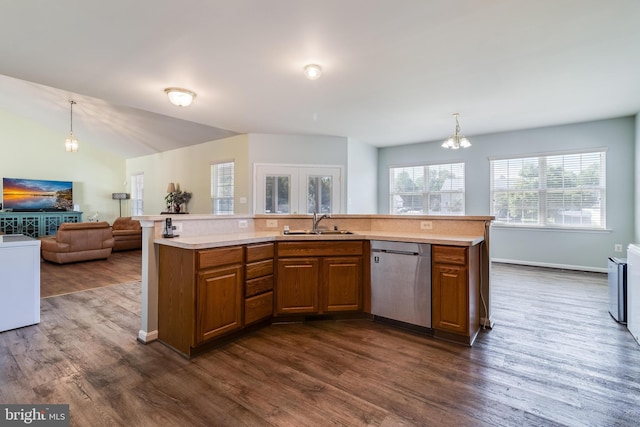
(423, 190)
(137, 194)
(298, 175)
(540, 195)
(216, 186)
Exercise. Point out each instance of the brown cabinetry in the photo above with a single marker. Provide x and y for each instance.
(319, 277)
(258, 292)
(200, 295)
(219, 302)
(297, 290)
(455, 292)
(342, 281)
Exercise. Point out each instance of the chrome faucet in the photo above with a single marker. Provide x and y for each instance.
(316, 221)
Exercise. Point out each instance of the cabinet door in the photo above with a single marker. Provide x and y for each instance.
(450, 298)
(219, 302)
(342, 283)
(297, 288)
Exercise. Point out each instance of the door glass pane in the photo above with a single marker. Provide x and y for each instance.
(319, 190)
(277, 194)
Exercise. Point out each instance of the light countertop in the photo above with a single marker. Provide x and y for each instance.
(219, 240)
(7, 240)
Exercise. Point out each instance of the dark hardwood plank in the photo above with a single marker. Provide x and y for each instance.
(554, 358)
(120, 267)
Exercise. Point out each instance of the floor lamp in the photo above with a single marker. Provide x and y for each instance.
(120, 197)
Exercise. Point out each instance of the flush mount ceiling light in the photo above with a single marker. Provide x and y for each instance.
(180, 97)
(312, 71)
(71, 143)
(456, 140)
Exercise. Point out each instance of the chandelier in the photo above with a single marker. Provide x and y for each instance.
(456, 140)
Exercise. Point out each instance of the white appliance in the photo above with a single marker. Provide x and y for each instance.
(19, 281)
(633, 291)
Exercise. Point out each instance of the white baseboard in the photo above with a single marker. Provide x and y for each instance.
(147, 337)
(550, 265)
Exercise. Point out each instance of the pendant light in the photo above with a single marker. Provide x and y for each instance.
(456, 140)
(71, 143)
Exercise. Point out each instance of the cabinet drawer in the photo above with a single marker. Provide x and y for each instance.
(258, 286)
(259, 252)
(326, 248)
(258, 308)
(220, 256)
(449, 254)
(258, 269)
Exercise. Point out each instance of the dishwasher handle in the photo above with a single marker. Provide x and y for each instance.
(387, 251)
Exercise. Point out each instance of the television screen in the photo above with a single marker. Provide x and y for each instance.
(36, 195)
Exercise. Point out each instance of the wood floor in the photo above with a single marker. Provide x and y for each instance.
(120, 267)
(554, 358)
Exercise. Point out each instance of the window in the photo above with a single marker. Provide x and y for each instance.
(287, 189)
(319, 193)
(560, 190)
(137, 193)
(222, 188)
(277, 194)
(427, 190)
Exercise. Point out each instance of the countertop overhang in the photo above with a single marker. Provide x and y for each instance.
(229, 239)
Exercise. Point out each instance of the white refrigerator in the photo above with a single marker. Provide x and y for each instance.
(633, 291)
(19, 281)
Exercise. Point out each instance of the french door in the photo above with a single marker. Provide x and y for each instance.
(298, 189)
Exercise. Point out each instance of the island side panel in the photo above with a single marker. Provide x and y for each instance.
(176, 297)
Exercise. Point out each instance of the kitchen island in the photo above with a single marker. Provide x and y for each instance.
(201, 234)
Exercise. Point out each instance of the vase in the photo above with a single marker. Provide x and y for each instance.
(176, 208)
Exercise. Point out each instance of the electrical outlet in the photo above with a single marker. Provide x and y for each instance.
(617, 247)
(426, 225)
(272, 223)
(243, 223)
(177, 227)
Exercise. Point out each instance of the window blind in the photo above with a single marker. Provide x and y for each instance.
(552, 190)
(222, 188)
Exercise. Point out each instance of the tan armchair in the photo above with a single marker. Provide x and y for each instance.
(127, 234)
(80, 241)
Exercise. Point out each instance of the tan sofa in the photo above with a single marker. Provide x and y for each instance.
(80, 241)
(127, 234)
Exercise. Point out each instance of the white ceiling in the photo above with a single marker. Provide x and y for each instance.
(394, 70)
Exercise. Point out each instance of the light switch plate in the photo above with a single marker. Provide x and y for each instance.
(272, 223)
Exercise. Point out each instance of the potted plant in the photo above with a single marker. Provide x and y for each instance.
(176, 199)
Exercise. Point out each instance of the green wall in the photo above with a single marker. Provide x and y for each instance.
(35, 152)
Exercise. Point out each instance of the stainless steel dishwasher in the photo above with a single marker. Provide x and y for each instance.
(401, 282)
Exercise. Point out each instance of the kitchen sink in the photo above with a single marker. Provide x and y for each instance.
(320, 232)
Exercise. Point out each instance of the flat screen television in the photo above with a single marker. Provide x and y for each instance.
(32, 195)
